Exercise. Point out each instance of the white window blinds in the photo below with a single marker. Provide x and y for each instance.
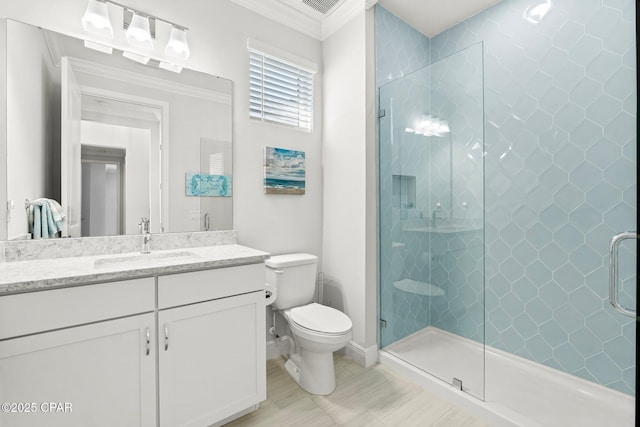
(279, 92)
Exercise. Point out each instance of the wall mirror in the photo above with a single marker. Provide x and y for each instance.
(113, 140)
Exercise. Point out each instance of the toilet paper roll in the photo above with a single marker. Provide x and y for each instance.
(270, 294)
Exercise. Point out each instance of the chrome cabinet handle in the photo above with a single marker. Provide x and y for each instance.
(166, 337)
(148, 341)
(613, 271)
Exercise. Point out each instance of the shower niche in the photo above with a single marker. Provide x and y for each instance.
(404, 191)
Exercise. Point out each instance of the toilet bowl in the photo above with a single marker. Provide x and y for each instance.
(316, 330)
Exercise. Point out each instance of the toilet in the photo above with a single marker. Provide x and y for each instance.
(316, 330)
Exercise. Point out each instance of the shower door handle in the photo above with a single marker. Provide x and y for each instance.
(613, 271)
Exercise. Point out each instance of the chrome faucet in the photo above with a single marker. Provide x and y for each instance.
(434, 215)
(144, 226)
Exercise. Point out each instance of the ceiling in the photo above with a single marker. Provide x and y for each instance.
(321, 18)
(431, 17)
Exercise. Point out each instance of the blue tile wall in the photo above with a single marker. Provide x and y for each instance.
(560, 179)
(401, 51)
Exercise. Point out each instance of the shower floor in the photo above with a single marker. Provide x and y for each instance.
(516, 391)
(445, 356)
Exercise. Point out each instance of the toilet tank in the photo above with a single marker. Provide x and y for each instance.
(294, 276)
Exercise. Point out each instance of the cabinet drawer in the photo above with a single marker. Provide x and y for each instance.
(34, 312)
(197, 286)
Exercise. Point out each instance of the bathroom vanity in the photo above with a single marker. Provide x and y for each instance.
(175, 338)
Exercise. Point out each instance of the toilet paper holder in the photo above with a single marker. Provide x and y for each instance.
(270, 294)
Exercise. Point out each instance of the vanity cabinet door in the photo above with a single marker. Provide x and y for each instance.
(211, 360)
(100, 374)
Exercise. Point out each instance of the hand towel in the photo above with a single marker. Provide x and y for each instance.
(45, 218)
(45, 213)
(37, 224)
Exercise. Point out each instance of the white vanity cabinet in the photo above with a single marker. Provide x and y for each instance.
(97, 374)
(184, 349)
(211, 350)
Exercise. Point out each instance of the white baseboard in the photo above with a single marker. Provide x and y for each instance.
(277, 348)
(366, 357)
(362, 356)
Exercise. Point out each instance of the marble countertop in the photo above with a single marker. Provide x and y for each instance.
(33, 275)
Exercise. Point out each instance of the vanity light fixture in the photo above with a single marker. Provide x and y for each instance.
(96, 19)
(170, 67)
(135, 57)
(139, 32)
(177, 45)
(140, 28)
(98, 46)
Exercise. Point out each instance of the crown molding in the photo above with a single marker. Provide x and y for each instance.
(318, 29)
(285, 15)
(341, 16)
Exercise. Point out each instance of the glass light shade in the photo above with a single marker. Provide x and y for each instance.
(139, 32)
(177, 46)
(96, 19)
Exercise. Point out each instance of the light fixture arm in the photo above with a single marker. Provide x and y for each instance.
(145, 15)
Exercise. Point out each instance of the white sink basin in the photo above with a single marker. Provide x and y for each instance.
(145, 259)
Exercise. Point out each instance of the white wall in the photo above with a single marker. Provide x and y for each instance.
(349, 204)
(218, 31)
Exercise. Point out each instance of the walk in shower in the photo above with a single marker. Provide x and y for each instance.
(507, 163)
(432, 194)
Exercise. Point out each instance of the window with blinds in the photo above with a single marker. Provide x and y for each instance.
(280, 92)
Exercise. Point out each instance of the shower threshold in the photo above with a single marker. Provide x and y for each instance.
(518, 392)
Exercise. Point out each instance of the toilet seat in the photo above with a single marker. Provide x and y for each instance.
(320, 319)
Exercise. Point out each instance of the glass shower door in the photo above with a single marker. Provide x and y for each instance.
(431, 219)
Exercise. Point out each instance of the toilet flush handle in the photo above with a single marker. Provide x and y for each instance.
(278, 271)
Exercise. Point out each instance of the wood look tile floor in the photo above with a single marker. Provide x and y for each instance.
(373, 397)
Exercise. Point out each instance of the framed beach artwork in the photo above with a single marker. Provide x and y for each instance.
(284, 171)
